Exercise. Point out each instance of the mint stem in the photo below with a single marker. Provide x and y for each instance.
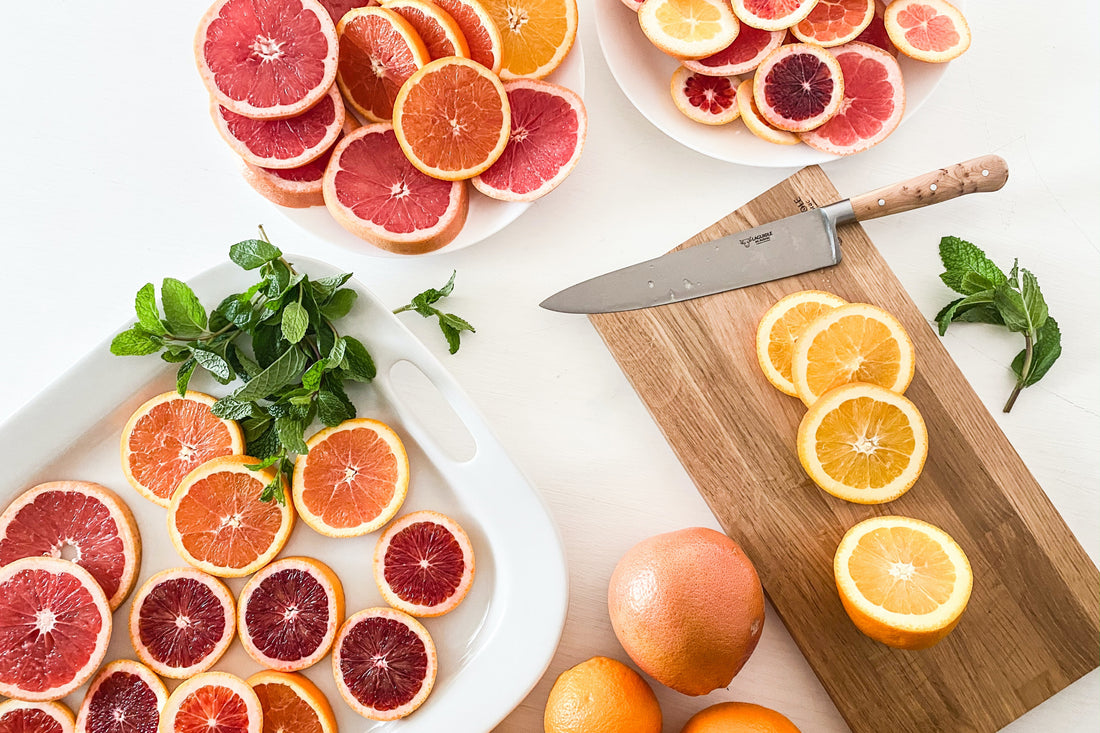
(1025, 372)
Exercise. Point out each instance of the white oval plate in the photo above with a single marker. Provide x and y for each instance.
(643, 73)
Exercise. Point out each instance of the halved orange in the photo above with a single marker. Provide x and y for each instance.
(479, 29)
(780, 328)
(902, 581)
(379, 51)
(927, 30)
(292, 703)
(212, 701)
(536, 35)
(689, 29)
(440, 32)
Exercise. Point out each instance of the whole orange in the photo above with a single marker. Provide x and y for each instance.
(688, 608)
(601, 696)
(739, 717)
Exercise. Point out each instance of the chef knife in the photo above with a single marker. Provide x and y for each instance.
(790, 246)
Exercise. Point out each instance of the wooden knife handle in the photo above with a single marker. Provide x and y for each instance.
(980, 175)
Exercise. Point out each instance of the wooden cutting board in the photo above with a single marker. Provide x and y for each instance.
(1032, 624)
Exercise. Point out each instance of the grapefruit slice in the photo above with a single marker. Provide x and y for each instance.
(711, 100)
(384, 662)
(779, 331)
(479, 29)
(353, 479)
(874, 100)
(170, 436)
(439, 31)
(798, 87)
(835, 22)
(80, 520)
(688, 29)
(55, 625)
(772, 15)
(927, 30)
(266, 60)
(750, 115)
(424, 564)
(549, 126)
(125, 697)
(296, 188)
(182, 621)
(379, 51)
(536, 35)
(338, 8)
(292, 704)
(751, 46)
(17, 716)
(289, 613)
(875, 32)
(374, 192)
(634, 5)
(212, 702)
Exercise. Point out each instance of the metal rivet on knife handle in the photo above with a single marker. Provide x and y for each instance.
(980, 175)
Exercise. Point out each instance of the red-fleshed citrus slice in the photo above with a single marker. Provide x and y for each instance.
(284, 143)
(384, 662)
(424, 564)
(634, 5)
(798, 87)
(289, 613)
(170, 436)
(296, 188)
(479, 29)
(875, 32)
(353, 479)
(688, 29)
(536, 35)
(751, 46)
(772, 15)
(711, 100)
(927, 30)
(17, 716)
(338, 8)
(549, 126)
(219, 524)
(182, 621)
(374, 192)
(292, 704)
(835, 22)
(268, 59)
(212, 702)
(379, 51)
(55, 625)
(874, 100)
(750, 115)
(125, 697)
(439, 31)
(76, 520)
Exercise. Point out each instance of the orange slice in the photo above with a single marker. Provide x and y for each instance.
(689, 29)
(772, 15)
(452, 119)
(218, 523)
(536, 35)
(854, 343)
(835, 22)
(780, 329)
(902, 581)
(17, 716)
(863, 443)
(292, 703)
(479, 29)
(927, 30)
(440, 32)
(379, 51)
(750, 115)
(212, 701)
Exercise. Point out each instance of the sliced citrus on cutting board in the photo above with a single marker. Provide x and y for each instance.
(779, 330)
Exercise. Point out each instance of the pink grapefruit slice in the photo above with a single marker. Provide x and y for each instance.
(424, 564)
(125, 697)
(711, 100)
(751, 47)
(927, 30)
(835, 22)
(750, 115)
(212, 702)
(76, 520)
(338, 8)
(875, 32)
(55, 625)
(798, 87)
(480, 31)
(17, 716)
(874, 100)
(440, 32)
(266, 59)
(772, 15)
(379, 51)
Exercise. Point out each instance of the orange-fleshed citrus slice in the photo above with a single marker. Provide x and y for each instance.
(689, 29)
(927, 30)
(379, 51)
(835, 22)
(219, 524)
(17, 716)
(479, 29)
(853, 343)
(902, 581)
(292, 704)
(750, 115)
(212, 701)
(536, 35)
(170, 436)
(125, 696)
(424, 564)
(440, 32)
(780, 328)
(798, 87)
(772, 15)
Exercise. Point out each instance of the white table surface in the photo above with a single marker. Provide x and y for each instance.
(114, 176)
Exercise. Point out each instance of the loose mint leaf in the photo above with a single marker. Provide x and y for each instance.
(960, 257)
(456, 323)
(360, 364)
(324, 287)
(983, 313)
(291, 434)
(1045, 352)
(284, 370)
(228, 408)
(339, 304)
(185, 315)
(295, 322)
(135, 342)
(183, 376)
(214, 364)
(253, 253)
(948, 314)
(145, 303)
(453, 336)
(1034, 303)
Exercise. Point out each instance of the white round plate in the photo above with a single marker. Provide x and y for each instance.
(486, 217)
(643, 73)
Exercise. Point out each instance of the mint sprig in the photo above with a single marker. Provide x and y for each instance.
(451, 325)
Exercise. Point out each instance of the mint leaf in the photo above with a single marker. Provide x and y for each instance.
(1010, 304)
(266, 444)
(145, 303)
(255, 426)
(284, 370)
(324, 287)
(453, 336)
(135, 342)
(456, 323)
(960, 257)
(268, 344)
(185, 315)
(265, 463)
(311, 380)
(176, 354)
(950, 311)
(291, 434)
(333, 405)
(245, 367)
(339, 304)
(981, 313)
(275, 491)
(1034, 303)
(360, 364)
(1045, 352)
(228, 408)
(214, 364)
(183, 376)
(253, 253)
(336, 354)
(295, 322)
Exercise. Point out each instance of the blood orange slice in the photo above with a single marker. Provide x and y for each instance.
(751, 46)
(835, 22)
(424, 564)
(125, 697)
(875, 32)
(772, 15)
(711, 100)
(798, 87)
(292, 704)
(927, 30)
(289, 613)
(76, 520)
(55, 624)
(266, 59)
(35, 717)
(170, 436)
(549, 125)
(478, 28)
(688, 29)
(379, 51)
(212, 702)
(384, 662)
(338, 8)
(439, 31)
(750, 115)
(374, 192)
(874, 100)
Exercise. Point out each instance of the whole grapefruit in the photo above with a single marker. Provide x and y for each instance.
(688, 608)
(739, 717)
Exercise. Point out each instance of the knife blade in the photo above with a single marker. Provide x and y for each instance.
(790, 246)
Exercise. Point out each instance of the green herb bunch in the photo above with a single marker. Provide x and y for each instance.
(1013, 300)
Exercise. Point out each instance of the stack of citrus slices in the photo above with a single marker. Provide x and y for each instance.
(819, 72)
(383, 113)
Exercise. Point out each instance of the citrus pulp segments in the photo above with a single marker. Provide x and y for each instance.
(424, 564)
(338, 8)
(212, 701)
(708, 99)
(479, 29)
(182, 621)
(835, 22)
(399, 686)
(536, 35)
(750, 115)
(751, 47)
(379, 51)
(292, 703)
(874, 102)
(35, 717)
(55, 624)
(780, 328)
(634, 5)
(875, 32)
(927, 30)
(439, 31)
(689, 29)
(772, 15)
(289, 612)
(168, 437)
(81, 517)
(798, 87)
(123, 693)
(548, 129)
(267, 60)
